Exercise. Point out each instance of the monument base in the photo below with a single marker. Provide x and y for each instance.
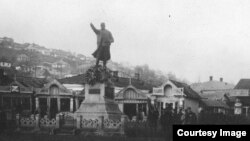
(108, 109)
(99, 102)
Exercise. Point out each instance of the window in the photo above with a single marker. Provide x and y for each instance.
(6, 102)
(65, 104)
(16, 102)
(26, 103)
(54, 90)
(167, 90)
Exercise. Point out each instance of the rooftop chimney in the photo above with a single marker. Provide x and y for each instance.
(221, 79)
(211, 78)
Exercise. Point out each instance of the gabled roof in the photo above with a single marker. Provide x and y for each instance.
(188, 91)
(46, 87)
(22, 87)
(32, 82)
(40, 85)
(243, 84)
(139, 94)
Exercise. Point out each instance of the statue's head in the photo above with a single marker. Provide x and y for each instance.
(102, 25)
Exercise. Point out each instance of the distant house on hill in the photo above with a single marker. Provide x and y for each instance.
(36, 48)
(60, 64)
(59, 53)
(23, 58)
(81, 57)
(5, 63)
(31, 48)
(6, 42)
(47, 65)
(18, 46)
(46, 69)
(45, 51)
(42, 73)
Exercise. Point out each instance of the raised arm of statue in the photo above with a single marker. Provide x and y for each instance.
(94, 29)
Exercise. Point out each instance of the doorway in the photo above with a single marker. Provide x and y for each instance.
(65, 104)
(43, 106)
(53, 107)
(130, 110)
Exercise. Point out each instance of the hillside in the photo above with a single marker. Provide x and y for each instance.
(38, 61)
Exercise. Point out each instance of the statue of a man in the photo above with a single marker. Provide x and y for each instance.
(104, 40)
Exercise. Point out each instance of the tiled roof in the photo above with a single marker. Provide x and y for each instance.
(214, 95)
(220, 94)
(187, 89)
(78, 79)
(25, 81)
(243, 84)
(139, 84)
(121, 82)
(211, 85)
(32, 82)
(214, 103)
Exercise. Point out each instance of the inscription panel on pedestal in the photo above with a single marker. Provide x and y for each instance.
(94, 91)
(109, 93)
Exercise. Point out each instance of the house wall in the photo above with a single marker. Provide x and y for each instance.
(120, 105)
(194, 104)
(22, 57)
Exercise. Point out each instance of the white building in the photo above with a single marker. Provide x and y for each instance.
(177, 94)
(5, 63)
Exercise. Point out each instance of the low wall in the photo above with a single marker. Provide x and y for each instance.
(98, 126)
(36, 123)
(101, 125)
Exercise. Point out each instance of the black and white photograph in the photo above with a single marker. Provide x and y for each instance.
(124, 70)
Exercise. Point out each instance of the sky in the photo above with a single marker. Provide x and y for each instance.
(194, 39)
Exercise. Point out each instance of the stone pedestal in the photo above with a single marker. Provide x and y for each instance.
(99, 101)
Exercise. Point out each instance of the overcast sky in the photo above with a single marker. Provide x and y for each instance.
(191, 38)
